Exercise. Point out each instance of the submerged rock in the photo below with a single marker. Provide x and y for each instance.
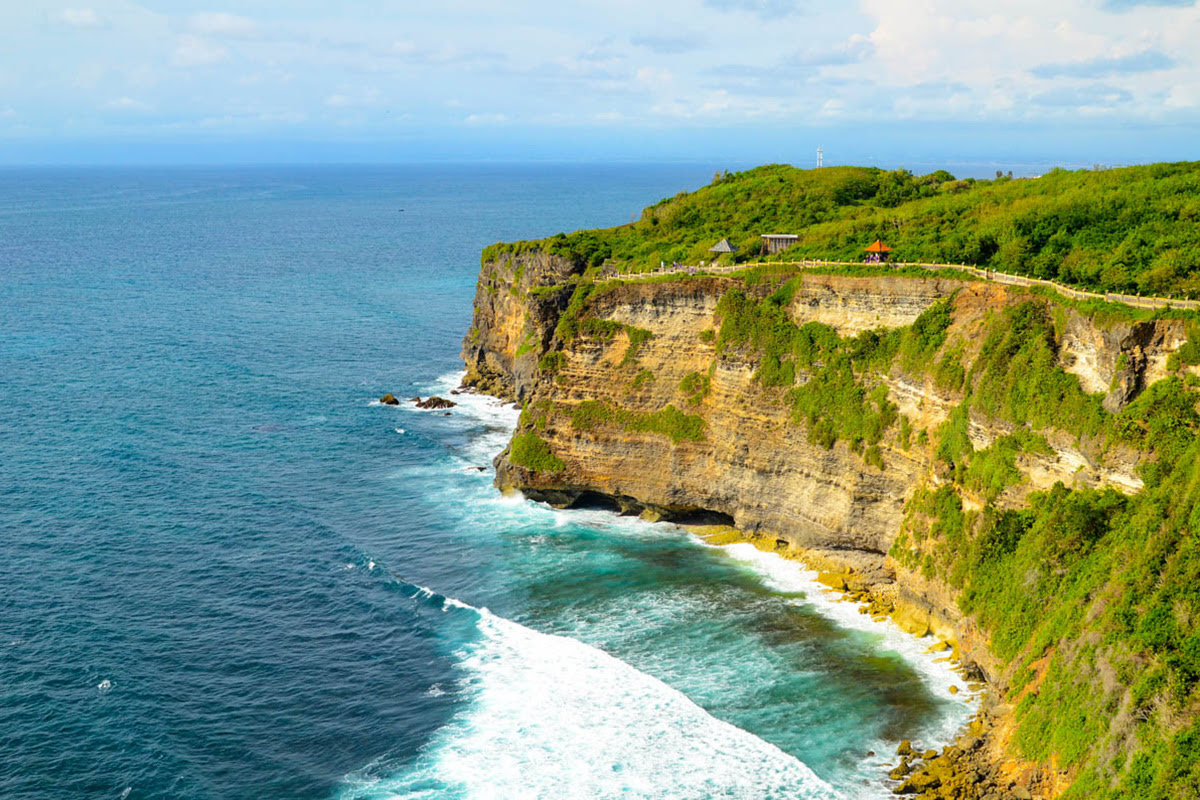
(389, 400)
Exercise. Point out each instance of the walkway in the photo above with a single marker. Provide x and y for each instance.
(1133, 301)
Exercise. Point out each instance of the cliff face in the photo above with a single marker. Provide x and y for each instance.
(755, 464)
(752, 464)
(517, 302)
(898, 421)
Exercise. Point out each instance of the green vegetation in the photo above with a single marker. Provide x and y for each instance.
(552, 361)
(531, 451)
(695, 387)
(1017, 377)
(836, 406)
(643, 378)
(1135, 229)
(637, 338)
(527, 345)
(670, 421)
(1097, 592)
(836, 402)
(568, 321)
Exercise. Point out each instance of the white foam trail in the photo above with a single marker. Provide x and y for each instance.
(551, 717)
(936, 671)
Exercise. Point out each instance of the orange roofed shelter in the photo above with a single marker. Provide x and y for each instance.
(878, 251)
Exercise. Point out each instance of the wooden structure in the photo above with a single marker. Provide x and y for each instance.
(722, 246)
(778, 242)
(878, 251)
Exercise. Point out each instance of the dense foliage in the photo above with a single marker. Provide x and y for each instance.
(532, 452)
(1135, 229)
(1090, 597)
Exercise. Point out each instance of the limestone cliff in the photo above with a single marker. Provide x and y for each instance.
(636, 395)
(752, 464)
(517, 302)
(755, 464)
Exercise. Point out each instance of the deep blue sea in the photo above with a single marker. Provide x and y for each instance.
(227, 572)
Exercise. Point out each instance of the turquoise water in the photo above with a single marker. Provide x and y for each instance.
(227, 572)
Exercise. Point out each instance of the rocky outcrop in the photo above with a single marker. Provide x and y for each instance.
(517, 302)
(435, 403)
(1119, 360)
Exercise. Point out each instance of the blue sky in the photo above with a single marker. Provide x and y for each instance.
(882, 81)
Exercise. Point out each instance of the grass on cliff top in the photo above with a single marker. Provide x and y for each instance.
(1135, 229)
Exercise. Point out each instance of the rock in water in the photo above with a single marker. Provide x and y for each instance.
(389, 400)
(436, 402)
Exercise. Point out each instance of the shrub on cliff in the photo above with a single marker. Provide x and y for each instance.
(532, 452)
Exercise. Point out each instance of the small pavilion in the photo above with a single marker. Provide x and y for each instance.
(722, 246)
(878, 251)
(778, 242)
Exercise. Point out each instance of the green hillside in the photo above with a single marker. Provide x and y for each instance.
(1133, 230)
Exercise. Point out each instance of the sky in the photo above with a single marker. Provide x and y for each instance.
(739, 81)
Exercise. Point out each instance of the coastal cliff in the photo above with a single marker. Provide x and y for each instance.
(874, 425)
(655, 349)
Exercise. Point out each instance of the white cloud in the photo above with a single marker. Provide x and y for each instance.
(79, 18)
(127, 104)
(286, 117)
(354, 98)
(223, 25)
(486, 119)
(654, 77)
(195, 51)
(832, 108)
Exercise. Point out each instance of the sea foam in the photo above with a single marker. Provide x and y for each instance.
(937, 671)
(550, 717)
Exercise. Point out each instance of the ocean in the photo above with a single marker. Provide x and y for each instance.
(226, 571)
